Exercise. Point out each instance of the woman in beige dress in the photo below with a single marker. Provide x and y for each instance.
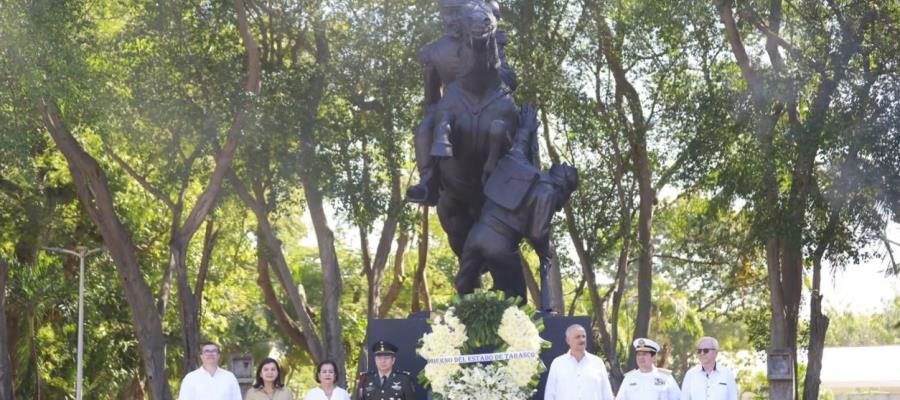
(268, 384)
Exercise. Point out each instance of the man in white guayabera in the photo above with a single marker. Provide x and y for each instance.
(209, 382)
(577, 374)
(709, 380)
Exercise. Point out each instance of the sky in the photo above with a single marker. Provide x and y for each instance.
(864, 287)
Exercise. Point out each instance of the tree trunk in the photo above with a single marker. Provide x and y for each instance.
(210, 238)
(187, 308)
(13, 325)
(375, 272)
(585, 259)
(617, 375)
(818, 322)
(597, 304)
(35, 357)
(399, 276)
(94, 193)
(271, 248)
(189, 301)
(579, 290)
(331, 277)
(625, 217)
(6, 370)
(635, 132)
(792, 286)
(420, 295)
(645, 219)
(555, 282)
(818, 326)
(616, 372)
(165, 288)
(287, 325)
(133, 391)
(530, 283)
(331, 274)
(764, 129)
(189, 304)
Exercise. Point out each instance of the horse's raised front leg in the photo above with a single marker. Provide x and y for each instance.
(498, 141)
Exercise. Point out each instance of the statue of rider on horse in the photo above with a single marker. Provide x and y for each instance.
(465, 134)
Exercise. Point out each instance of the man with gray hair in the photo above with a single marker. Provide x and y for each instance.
(577, 374)
(709, 380)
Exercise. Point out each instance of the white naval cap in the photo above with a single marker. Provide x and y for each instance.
(644, 344)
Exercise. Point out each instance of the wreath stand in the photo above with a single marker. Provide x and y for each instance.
(405, 334)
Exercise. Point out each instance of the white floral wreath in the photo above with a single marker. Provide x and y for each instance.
(512, 379)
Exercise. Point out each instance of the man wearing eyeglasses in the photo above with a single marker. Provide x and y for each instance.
(708, 381)
(209, 382)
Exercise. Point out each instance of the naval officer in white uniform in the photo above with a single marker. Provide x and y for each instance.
(648, 382)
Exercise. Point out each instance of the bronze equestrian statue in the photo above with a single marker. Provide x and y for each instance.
(474, 122)
(467, 132)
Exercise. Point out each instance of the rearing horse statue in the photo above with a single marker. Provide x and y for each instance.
(476, 120)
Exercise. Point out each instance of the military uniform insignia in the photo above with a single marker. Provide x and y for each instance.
(659, 381)
(396, 386)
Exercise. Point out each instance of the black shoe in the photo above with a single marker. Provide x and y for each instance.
(420, 194)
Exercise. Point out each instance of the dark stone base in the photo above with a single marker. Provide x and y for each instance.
(405, 334)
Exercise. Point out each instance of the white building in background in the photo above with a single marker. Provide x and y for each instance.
(848, 373)
(870, 373)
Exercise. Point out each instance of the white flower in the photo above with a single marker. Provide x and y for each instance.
(500, 380)
(521, 370)
(518, 331)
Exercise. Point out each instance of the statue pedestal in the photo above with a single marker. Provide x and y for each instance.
(405, 334)
(242, 366)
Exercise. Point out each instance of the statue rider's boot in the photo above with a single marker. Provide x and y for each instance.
(426, 191)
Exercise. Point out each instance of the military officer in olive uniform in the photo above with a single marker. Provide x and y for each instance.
(648, 382)
(384, 383)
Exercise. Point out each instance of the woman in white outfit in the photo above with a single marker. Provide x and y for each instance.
(326, 376)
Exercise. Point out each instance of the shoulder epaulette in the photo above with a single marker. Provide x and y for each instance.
(632, 371)
(665, 371)
(407, 373)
